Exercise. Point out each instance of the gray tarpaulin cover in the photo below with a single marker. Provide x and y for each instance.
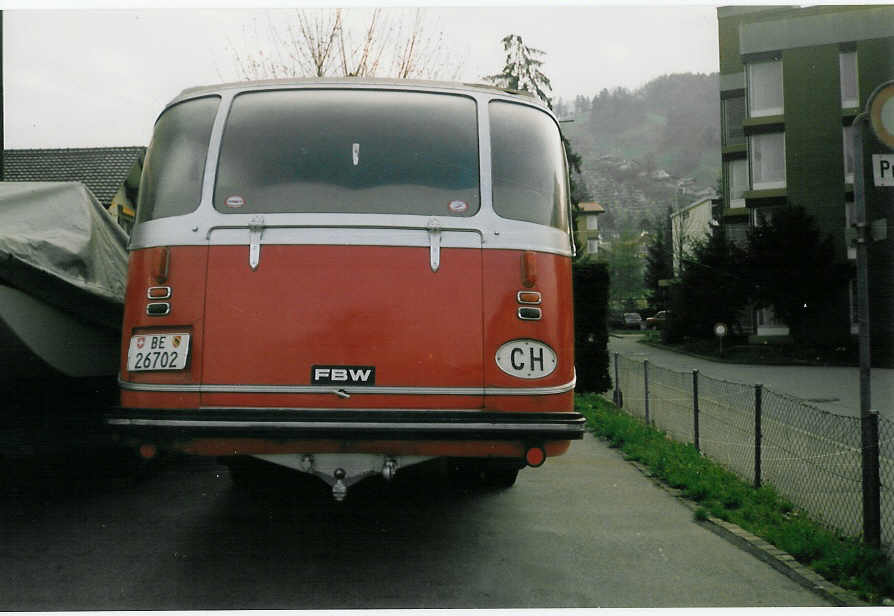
(59, 244)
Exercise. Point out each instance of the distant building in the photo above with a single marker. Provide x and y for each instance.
(112, 174)
(791, 82)
(690, 224)
(588, 228)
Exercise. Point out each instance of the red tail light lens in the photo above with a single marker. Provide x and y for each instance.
(528, 269)
(535, 456)
(161, 265)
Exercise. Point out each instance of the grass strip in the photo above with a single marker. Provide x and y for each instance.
(720, 493)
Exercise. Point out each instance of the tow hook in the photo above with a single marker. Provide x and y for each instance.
(307, 463)
(389, 470)
(339, 489)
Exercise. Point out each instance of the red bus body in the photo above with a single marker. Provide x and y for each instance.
(390, 337)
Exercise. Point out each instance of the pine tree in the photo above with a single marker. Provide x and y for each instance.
(712, 288)
(792, 267)
(659, 264)
(522, 70)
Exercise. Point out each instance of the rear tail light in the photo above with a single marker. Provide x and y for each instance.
(161, 265)
(159, 293)
(535, 456)
(528, 269)
(530, 314)
(529, 297)
(158, 309)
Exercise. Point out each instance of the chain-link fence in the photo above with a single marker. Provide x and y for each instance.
(811, 457)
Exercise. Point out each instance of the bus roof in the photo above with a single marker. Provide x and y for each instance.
(408, 84)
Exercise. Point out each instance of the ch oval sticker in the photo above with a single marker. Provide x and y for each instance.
(526, 359)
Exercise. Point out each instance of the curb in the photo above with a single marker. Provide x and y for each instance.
(720, 360)
(783, 562)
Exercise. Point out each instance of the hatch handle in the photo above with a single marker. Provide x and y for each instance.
(255, 231)
(434, 236)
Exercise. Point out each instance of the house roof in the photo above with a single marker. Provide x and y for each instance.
(591, 207)
(695, 204)
(102, 170)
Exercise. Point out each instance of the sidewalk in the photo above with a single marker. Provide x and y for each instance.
(639, 546)
(832, 389)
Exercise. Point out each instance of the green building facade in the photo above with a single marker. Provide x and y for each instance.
(792, 80)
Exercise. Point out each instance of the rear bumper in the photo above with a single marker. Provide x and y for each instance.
(378, 424)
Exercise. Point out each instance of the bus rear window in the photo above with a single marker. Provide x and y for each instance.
(349, 151)
(171, 184)
(529, 178)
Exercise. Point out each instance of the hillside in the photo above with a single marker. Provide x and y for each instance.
(644, 150)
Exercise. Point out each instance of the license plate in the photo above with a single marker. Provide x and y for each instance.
(157, 352)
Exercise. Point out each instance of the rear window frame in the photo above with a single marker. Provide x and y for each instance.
(219, 138)
(563, 210)
(210, 145)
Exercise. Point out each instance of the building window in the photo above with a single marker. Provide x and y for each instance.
(737, 176)
(762, 216)
(847, 64)
(733, 116)
(767, 154)
(592, 247)
(765, 89)
(768, 324)
(737, 234)
(592, 223)
(847, 139)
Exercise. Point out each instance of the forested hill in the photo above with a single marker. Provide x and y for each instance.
(640, 147)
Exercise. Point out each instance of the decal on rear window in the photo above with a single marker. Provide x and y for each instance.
(235, 201)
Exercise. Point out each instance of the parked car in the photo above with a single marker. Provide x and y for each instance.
(658, 320)
(633, 320)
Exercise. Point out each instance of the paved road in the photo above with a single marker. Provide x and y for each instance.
(836, 390)
(585, 530)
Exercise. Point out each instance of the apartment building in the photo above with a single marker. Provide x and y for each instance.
(792, 80)
(690, 225)
(588, 238)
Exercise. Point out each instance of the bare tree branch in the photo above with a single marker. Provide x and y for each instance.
(321, 43)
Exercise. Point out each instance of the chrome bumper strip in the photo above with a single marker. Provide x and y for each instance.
(378, 426)
(310, 389)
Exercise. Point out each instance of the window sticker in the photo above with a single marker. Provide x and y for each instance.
(235, 201)
(458, 207)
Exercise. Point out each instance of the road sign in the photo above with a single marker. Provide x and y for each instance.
(883, 169)
(881, 113)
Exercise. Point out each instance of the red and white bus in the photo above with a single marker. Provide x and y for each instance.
(349, 277)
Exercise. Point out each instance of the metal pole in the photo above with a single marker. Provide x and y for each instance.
(2, 136)
(646, 388)
(616, 394)
(872, 523)
(695, 409)
(758, 434)
(863, 238)
(868, 419)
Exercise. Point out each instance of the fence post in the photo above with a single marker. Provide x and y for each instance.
(695, 409)
(872, 529)
(758, 434)
(646, 388)
(617, 397)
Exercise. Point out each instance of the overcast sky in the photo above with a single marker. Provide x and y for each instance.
(77, 78)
